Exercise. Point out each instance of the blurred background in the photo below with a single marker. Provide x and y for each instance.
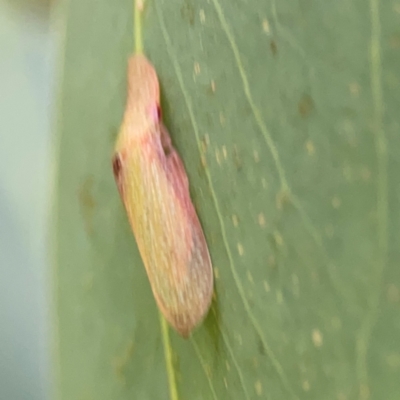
(27, 70)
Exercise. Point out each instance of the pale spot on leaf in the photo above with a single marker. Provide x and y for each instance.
(235, 220)
(213, 86)
(265, 26)
(239, 339)
(196, 68)
(336, 202)
(310, 147)
(255, 362)
(278, 238)
(218, 156)
(264, 183)
(355, 89)
(258, 387)
(364, 392)
(393, 360)
(202, 16)
(256, 156)
(317, 337)
(203, 161)
(221, 118)
(225, 382)
(224, 152)
(140, 5)
(393, 294)
(279, 297)
(203, 145)
(261, 220)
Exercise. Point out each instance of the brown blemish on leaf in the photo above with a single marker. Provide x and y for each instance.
(305, 106)
(282, 199)
(120, 363)
(187, 12)
(260, 346)
(212, 324)
(87, 203)
(274, 47)
(394, 41)
(236, 158)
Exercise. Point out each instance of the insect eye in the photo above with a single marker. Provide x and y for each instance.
(159, 112)
(117, 165)
(155, 112)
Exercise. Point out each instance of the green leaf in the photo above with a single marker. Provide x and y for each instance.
(286, 117)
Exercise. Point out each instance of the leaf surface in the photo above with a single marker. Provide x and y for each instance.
(286, 117)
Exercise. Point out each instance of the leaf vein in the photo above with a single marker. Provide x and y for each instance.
(231, 353)
(203, 365)
(382, 191)
(257, 327)
(285, 188)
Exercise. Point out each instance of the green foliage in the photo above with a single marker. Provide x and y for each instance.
(286, 117)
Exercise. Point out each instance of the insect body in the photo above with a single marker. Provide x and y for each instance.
(155, 191)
